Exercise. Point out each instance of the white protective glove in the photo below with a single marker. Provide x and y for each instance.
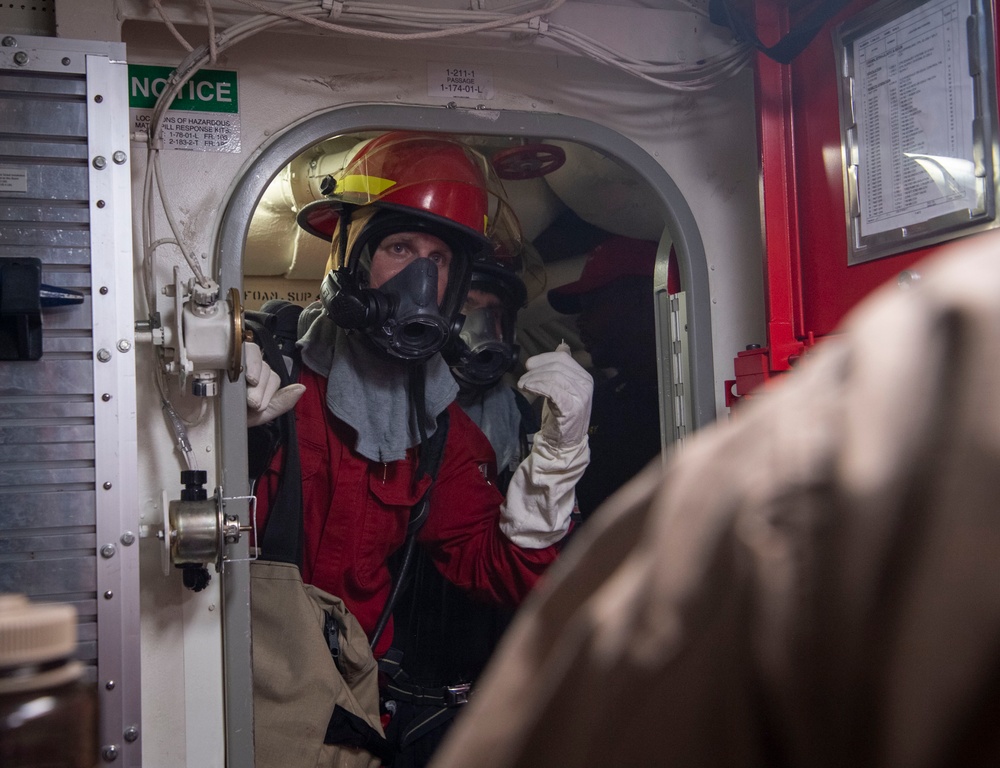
(265, 400)
(541, 496)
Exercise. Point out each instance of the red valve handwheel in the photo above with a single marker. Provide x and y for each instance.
(528, 161)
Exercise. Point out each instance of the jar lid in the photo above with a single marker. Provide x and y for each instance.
(35, 633)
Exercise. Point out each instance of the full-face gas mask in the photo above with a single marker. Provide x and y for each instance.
(402, 315)
(484, 349)
(406, 182)
(501, 283)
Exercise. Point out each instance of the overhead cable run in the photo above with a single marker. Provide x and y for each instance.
(381, 22)
(430, 24)
(365, 19)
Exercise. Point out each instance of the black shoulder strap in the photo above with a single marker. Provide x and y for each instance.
(274, 328)
(274, 331)
(429, 462)
(283, 534)
(431, 453)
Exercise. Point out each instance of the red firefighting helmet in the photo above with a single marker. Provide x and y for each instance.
(433, 177)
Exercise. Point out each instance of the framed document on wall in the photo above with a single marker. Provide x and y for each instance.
(918, 124)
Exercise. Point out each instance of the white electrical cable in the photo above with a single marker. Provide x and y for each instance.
(504, 20)
(212, 48)
(153, 177)
(431, 24)
(170, 26)
(146, 236)
(679, 76)
(188, 256)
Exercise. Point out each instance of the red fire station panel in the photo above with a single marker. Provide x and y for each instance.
(809, 284)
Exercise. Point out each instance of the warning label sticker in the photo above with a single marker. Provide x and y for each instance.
(204, 115)
(13, 180)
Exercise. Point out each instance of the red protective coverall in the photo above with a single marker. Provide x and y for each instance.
(356, 512)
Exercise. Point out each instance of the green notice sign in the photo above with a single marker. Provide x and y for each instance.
(208, 90)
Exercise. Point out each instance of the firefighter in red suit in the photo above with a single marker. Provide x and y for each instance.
(406, 217)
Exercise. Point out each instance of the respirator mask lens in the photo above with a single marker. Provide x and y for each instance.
(485, 356)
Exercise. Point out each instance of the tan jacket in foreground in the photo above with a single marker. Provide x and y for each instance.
(815, 583)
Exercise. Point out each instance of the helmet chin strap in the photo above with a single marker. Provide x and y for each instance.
(345, 224)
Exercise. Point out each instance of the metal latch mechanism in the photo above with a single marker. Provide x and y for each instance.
(202, 337)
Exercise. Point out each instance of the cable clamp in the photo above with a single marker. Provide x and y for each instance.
(333, 8)
(538, 24)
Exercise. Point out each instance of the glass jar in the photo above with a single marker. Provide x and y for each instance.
(48, 715)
